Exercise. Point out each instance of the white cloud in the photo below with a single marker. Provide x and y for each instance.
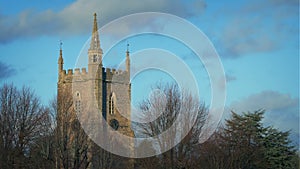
(257, 26)
(76, 18)
(269, 100)
(282, 110)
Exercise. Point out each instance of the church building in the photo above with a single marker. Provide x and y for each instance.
(105, 89)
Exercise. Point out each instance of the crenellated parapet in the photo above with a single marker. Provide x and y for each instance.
(80, 72)
(65, 76)
(118, 76)
(76, 72)
(111, 74)
(70, 74)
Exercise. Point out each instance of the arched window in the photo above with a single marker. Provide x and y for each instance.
(95, 58)
(112, 103)
(77, 100)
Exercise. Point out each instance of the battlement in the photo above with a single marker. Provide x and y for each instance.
(70, 71)
(83, 72)
(120, 76)
(76, 71)
(114, 71)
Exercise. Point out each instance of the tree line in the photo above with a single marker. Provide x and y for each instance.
(36, 136)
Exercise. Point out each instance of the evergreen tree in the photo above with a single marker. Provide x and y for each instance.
(242, 139)
(248, 144)
(279, 153)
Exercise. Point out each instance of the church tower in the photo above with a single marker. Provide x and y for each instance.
(95, 52)
(107, 90)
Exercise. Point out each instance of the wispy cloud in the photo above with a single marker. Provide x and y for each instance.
(282, 110)
(259, 26)
(6, 71)
(269, 100)
(230, 78)
(74, 19)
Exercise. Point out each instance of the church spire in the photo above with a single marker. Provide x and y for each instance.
(95, 51)
(95, 41)
(60, 59)
(95, 28)
(127, 59)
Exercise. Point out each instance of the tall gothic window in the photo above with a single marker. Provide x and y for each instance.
(95, 58)
(112, 102)
(77, 102)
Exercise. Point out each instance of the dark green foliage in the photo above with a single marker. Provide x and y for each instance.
(245, 143)
(243, 138)
(278, 151)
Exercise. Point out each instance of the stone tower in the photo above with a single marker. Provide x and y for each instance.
(105, 89)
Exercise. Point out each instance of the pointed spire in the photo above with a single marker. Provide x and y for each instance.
(95, 28)
(60, 59)
(127, 59)
(95, 41)
(95, 51)
(127, 51)
(60, 62)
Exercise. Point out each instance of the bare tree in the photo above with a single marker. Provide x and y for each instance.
(175, 104)
(22, 124)
(74, 148)
(72, 143)
(148, 162)
(43, 151)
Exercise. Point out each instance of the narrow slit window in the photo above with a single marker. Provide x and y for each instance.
(95, 58)
(112, 104)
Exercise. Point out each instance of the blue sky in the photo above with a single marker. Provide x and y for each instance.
(257, 41)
